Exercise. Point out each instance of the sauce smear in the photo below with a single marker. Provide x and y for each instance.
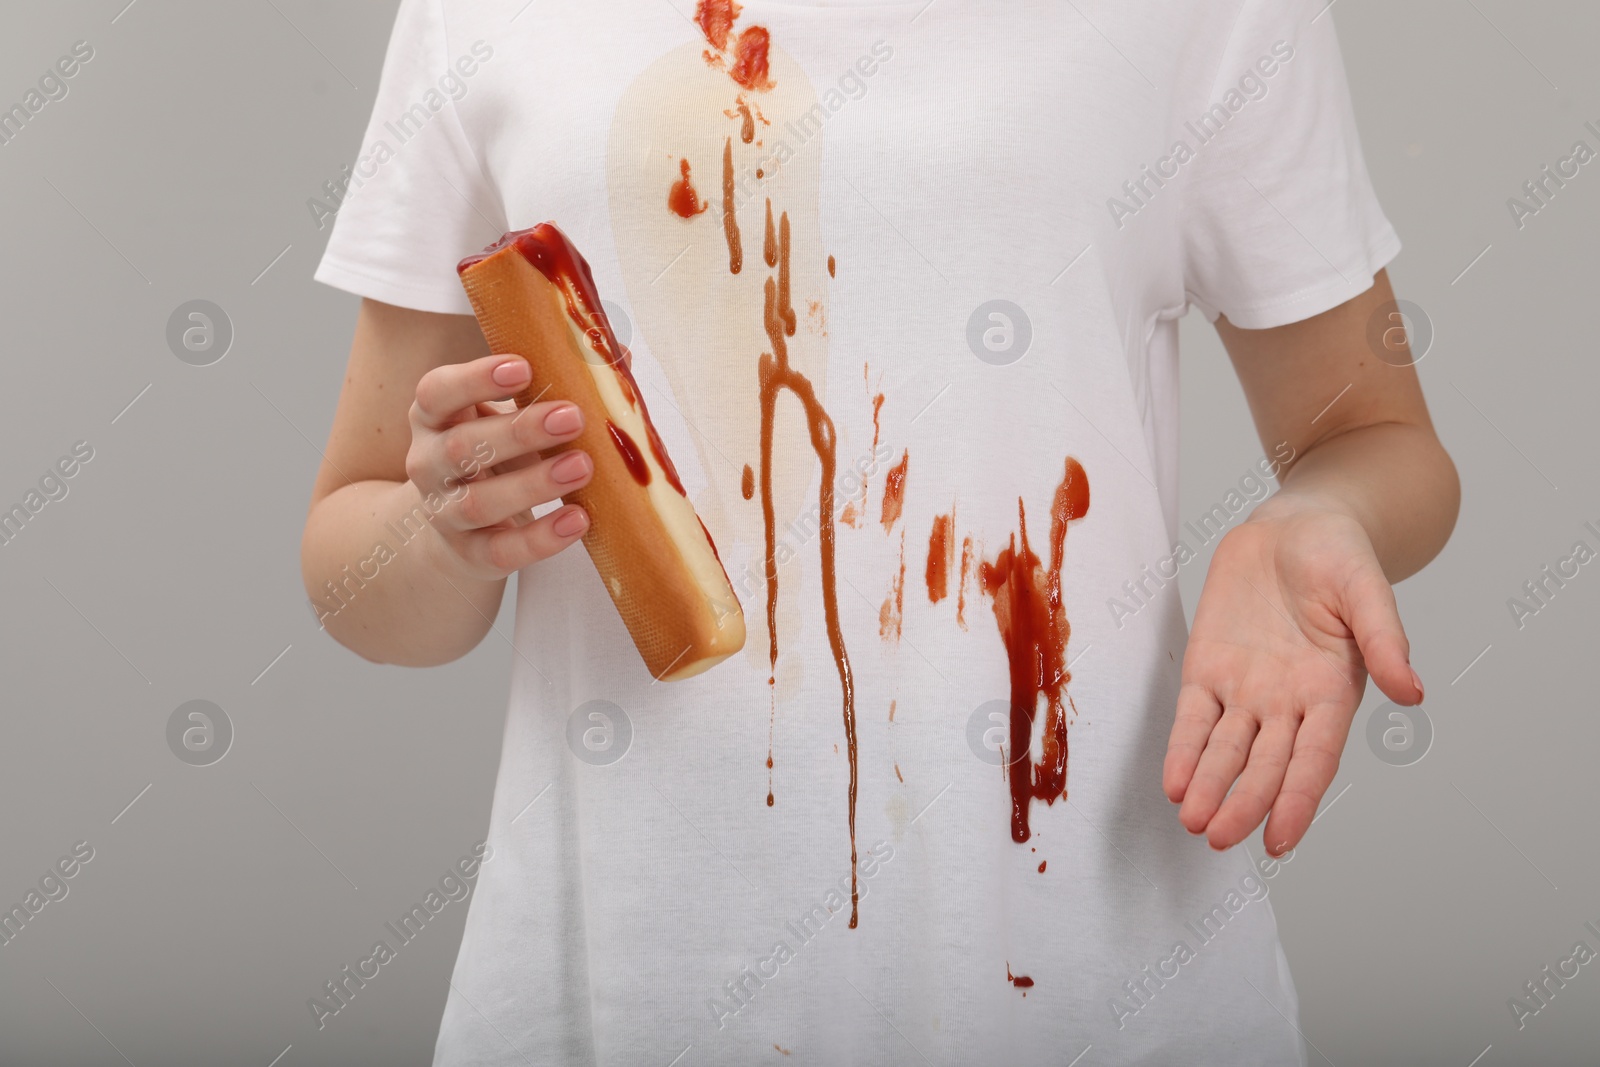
(716, 19)
(941, 555)
(894, 491)
(750, 54)
(1033, 625)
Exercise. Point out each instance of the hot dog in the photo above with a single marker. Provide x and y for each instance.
(535, 296)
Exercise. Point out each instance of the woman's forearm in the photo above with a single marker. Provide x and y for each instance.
(1395, 479)
(381, 582)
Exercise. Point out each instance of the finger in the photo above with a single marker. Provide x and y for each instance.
(1220, 764)
(465, 450)
(1251, 799)
(445, 392)
(495, 499)
(1368, 606)
(1312, 765)
(1198, 712)
(511, 548)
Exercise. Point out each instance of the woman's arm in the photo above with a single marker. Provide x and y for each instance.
(420, 507)
(1297, 607)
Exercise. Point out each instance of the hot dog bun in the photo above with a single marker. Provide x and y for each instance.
(534, 296)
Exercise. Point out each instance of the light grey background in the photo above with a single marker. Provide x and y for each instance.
(178, 167)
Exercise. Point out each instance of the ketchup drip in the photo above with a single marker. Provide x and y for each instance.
(1034, 627)
(747, 130)
(776, 375)
(830, 266)
(681, 198)
(730, 220)
(747, 484)
(1021, 981)
(630, 453)
(769, 247)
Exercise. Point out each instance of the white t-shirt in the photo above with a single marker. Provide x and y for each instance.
(996, 213)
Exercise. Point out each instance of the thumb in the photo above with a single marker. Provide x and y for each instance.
(1369, 609)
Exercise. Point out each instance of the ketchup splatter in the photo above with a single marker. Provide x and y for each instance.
(777, 375)
(716, 19)
(630, 454)
(1033, 626)
(1021, 981)
(750, 59)
(747, 484)
(681, 198)
(941, 554)
(894, 491)
(730, 220)
(1041, 865)
(898, 775)
(830, 267)
(877, 410)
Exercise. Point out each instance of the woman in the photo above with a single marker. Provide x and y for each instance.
(919, 817)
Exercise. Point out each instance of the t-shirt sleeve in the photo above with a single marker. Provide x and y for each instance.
(417, 201)
(1280, 221)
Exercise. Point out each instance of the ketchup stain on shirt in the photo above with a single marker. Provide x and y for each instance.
(747, 127)
(682, 198)
(941, 556)
(894, 491)
(1033, 625)
(747, 483)
(1021, 981)
(830, 267)
(961, 581)
(750, 56)
(730, 219)
(751, 49)
(892, 616)
(716, 18)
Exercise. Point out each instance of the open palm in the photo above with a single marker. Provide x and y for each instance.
(1295, 613)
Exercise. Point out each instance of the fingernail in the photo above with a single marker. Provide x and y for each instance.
(570, 522)
(1416, 680)
(571, 467)
(511, 372)
(563, 420)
